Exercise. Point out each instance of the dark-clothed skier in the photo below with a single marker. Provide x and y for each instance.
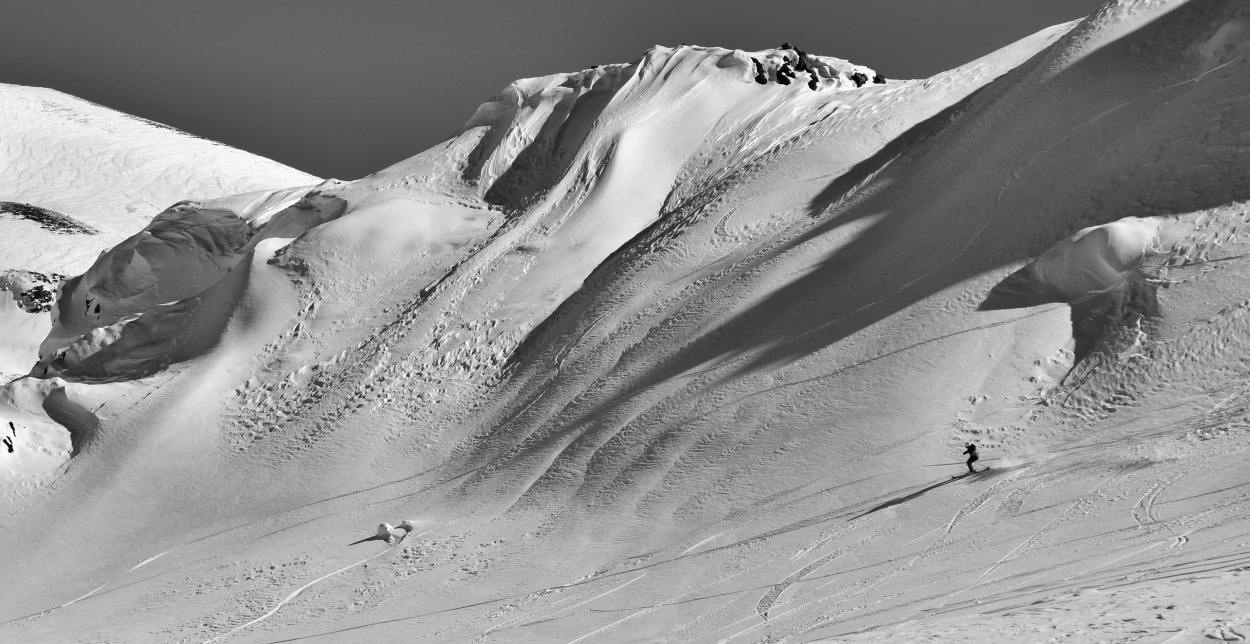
(971, 451)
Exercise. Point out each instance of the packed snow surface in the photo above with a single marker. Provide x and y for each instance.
(684, 349)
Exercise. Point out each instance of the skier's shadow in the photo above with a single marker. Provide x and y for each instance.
(982, 474)
(368, 539)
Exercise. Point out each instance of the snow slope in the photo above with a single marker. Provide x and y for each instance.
(107, 170)
(659, 352)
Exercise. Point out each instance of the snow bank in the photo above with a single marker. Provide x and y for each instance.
(1099, 258)
(164, 295)
(147, 342)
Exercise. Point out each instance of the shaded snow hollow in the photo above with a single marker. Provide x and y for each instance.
(659, 352)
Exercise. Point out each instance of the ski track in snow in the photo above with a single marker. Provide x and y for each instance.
(110, 582)
(306, 586)
(766, 602)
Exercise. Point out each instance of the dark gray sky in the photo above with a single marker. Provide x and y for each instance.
(341, 89)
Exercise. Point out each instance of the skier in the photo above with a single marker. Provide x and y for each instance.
(971, 451)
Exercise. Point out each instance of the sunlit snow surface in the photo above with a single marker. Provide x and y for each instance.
(659, 352)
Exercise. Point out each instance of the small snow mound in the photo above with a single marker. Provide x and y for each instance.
(1096, 261)
(1101, 258)
(1098, 258)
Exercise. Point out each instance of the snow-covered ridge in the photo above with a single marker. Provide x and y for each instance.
(106, 170)
(582, 136)
(657, 351)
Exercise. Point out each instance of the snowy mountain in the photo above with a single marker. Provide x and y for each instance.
(684, 349)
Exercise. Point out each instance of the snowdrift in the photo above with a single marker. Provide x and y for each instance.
(674, 350)
(164, 295)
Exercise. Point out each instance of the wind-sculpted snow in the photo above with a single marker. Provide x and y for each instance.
(165, 294)
(660, 352)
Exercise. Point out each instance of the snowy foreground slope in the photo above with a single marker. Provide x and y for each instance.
(661, 352)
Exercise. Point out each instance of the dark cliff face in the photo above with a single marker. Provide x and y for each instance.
(47, 219)
(34, 292)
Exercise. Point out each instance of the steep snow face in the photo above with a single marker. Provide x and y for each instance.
(579, 164)
(661, 351)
